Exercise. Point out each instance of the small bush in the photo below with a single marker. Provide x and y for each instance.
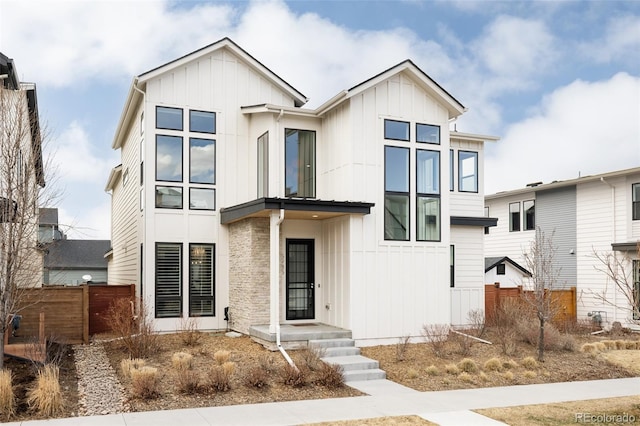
(530, 374)
(128, 364)
(331, 376)
(465, 377)
(7, 397)
(401, 348)
(452, 369)
(436, 336)
(601, 347)
(529, 362)
(476, 319)
(508, 375)
(468, 365)
(311, 356)
(267, 362)
(219, 377)
(256, 377)
(609, 344)
(493, 364)
(412, 373)
(483, 376)
(463, 343)
(568, 343)
(621, 344)
(145, 383)
(589, 348)
(181, 360)
(189, 333)
(432, 370)
(134, 327)
(292, 376)
(509, 364)
(630, 345)
(529, 331)
(46, 396)
(187, 381)
(221, 356)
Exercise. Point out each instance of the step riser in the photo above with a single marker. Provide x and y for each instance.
(332, 343)
(354, 366)
(341, 351)
(352, 376)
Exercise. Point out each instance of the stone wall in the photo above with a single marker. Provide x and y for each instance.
(249, 273)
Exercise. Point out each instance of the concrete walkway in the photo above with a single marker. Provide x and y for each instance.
(385, 398)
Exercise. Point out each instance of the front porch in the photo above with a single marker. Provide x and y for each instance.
(296, 336)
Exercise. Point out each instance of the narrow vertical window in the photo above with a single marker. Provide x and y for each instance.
(452, 266)
(514, 217)
(635, 193)
(202, 160)
(396, 200)
(168, 289)
(263, 165)
(451, 174)
(427, 195)
(169, 158)
(201, 280)
(529, 208)
(300, 163)
(142, 123)
(396, 130)
(467, 171)
(486, 214)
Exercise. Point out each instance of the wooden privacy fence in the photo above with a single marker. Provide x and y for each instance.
(71, 313)
(564, 301)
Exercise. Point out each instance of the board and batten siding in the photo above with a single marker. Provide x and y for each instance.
(467, 294)
(464, 203)
(123, 266)
(556, 218)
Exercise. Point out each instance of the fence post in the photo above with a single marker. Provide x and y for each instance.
(85, 313)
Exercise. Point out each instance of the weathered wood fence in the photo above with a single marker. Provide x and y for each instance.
(564, 301)
(71, 313)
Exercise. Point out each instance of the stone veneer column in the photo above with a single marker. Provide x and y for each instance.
(248, 273)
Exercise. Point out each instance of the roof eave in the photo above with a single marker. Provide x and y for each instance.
(114, 175)
(128, 111)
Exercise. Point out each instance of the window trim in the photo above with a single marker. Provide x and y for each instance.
(158, 107)
(408, 139)
(179, 298)
(213, 281)
(181, 158)
(461, 177)
(428, 125)
(215, 122)
(514, 226)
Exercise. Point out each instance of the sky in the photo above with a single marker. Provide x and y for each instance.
(557, 81)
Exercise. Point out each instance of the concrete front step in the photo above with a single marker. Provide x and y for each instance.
(370, 374)
(331, 343)
(340, 351)
(343, 352)
(352, 362)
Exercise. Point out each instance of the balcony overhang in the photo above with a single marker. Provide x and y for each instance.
(631, 246)
(295, 208)
(474, 221)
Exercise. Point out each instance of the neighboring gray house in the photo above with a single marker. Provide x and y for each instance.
(67, 261)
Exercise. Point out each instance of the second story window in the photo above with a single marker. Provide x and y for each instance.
(514, 217)
(467, 171)
(427, 133)
(169, 158)
(635, 190)
(202, 121)
(263, 165)
(202, 157)
(428, 195)
(396, 193)
(168, 118)
(300, 163)
(396, 130)
(529, 208)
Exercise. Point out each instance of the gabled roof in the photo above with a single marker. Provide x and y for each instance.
(77, 254)
(454, 107)
(539, 186)
(492, 262)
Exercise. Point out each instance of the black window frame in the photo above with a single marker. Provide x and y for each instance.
(314, 167)
(635, 201)
(452, 266)
(486, 214)
(160, 107)
(514, 225)
(215, 122)
(529, 215)
(431, 126)
(199, 298)
(408, 124)
(635, 265)
(476, 175)
(501, 269)
(429, 195)
(389, 194)
(158, 276)
(181, 179)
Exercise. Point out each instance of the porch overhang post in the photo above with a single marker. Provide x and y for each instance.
(275, 219)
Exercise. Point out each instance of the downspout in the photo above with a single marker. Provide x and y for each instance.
(613, 232)
(141, 274)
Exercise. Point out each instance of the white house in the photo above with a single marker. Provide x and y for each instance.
(584, 216)
(232, 201)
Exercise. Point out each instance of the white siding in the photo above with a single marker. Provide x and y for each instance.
(465, 203)
(468, 291)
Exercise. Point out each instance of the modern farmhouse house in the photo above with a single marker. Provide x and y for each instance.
(235, 205)
(590, 215)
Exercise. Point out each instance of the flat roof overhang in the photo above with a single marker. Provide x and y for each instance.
(295, 208)
(474, 221)
(632, 246)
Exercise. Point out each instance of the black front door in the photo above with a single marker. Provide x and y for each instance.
(300, 279)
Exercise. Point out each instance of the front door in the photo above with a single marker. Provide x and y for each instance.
(300, 279)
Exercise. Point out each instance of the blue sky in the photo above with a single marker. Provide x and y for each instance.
(557, 81)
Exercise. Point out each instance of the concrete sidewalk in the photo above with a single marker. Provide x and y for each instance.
(385, 398)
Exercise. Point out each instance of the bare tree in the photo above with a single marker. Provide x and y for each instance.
(21, 190)
(540, 261)
(624, 274)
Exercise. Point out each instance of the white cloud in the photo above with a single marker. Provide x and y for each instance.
(580, 129)
(621, 41)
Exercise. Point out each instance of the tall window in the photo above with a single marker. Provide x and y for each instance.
(467, 171)
(396, 130)
(427, 133)
(451, 163)
(168, 118)
(452, 266)
(168, 280)
(635, 189)
(428, 195)
(396, 199)
(514, 216)
(486, 214)
(202, 159)
(169, 158)
(201, 280)
(263, 165)
(300, 163)
(529, 208)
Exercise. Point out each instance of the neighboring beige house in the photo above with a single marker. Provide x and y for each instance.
(583, 216)
(365, 213)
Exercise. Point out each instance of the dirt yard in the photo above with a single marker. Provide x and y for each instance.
(415, 365)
